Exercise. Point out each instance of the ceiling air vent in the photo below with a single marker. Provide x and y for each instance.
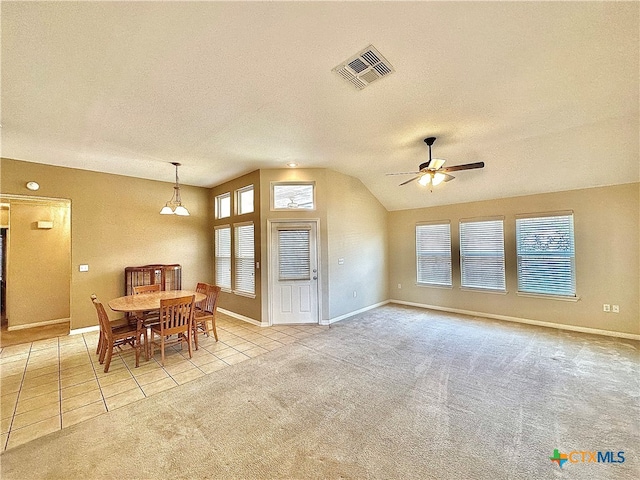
(364, 68)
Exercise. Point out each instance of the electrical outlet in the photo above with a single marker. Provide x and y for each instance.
(84, 268)
(615, 308)
(399, 286)
(606, 307)
(355, 294)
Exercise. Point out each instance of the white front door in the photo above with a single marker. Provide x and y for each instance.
(294, 273)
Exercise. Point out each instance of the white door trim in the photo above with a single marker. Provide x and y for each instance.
(270, 240)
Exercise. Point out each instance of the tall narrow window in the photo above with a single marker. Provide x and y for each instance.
(546, 255)
(482, 254)
(244, 200)
(222, 246)
(433, 254)
(223, 205)
(244, 259)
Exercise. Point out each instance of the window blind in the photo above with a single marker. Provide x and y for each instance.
(546, 255)
(433, 254)
(294, 254)
(244, 259)
(222, 246)
(482, 254)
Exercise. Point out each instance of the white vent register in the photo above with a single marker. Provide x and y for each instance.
(364, 68)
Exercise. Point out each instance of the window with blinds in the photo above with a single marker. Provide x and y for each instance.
(546, 255)
(222, 246)
(433, 254)
(294, 255)
(482, 254)
(244, 259)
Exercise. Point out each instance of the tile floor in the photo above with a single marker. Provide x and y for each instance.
(51, 384)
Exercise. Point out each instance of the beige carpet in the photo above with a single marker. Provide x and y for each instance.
(393, 393)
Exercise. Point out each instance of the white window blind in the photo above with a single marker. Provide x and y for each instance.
(244, 259)
(433, 254)
(223, 257)
(482, 254)
(546, 255)
(294, 254)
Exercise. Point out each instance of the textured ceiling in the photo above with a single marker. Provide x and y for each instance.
(545, 93)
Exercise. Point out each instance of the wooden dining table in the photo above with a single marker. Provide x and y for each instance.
(136, 305)
(146, 302)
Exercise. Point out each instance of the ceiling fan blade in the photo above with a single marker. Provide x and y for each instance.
(468, 166)
(403, 173)
(448, 177)
(408, 181)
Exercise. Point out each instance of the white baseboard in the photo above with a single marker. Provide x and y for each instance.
(559, 326)
(241, 317)
(38, 324)
(351, 314)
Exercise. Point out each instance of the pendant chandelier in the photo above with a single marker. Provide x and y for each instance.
(174, 206)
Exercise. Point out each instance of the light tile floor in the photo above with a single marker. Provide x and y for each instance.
(51, 384)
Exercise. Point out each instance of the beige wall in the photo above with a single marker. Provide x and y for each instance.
(115, 224)
(240, 304)
(39, 262)
(357, 233)
(607, 258)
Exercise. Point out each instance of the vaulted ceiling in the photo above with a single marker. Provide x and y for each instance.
(545, 93)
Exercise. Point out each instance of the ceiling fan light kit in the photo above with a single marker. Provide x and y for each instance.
(432, 173)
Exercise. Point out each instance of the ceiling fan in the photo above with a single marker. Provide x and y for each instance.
(432, 172)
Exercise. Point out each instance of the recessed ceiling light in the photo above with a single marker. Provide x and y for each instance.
(292, 164)
(33, 186)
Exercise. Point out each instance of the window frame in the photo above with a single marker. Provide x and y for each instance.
(238, 260)
(539, 218)
(274, 185)
(435, 254)
(218, 208)
(225, 288)
(238, 194)
(464, 255)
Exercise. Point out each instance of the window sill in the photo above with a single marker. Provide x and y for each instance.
(562, 298)
(434, 285)
(484, 290)
(244, 294)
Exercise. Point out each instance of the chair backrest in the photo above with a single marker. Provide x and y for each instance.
(210, 303)
(176, 314)
(146, 289)
(103, 318)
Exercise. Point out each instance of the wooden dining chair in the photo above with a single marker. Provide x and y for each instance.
(114, 334)
(150, 317)
(176, 318)
(205, 311)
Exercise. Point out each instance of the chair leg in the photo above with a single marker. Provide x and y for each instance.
(215, 332)
(162, 349)
(136, 344)
(99, 344)
(195, 337)
(103, 351)
(107, 361)
(189, 342)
